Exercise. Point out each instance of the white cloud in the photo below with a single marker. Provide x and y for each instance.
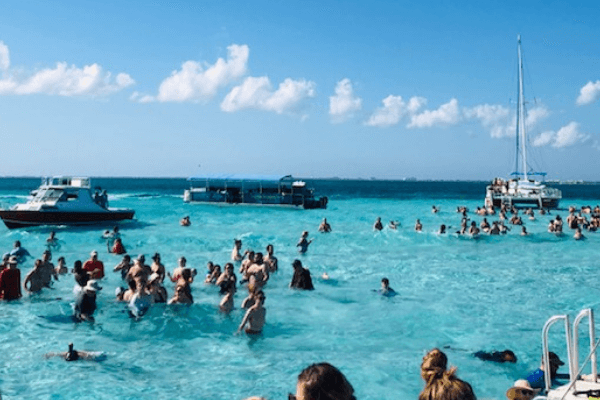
(199, 82)
(257, 93)
(566, 136)
(589, 93)
(63, 80)
(394, 109)
(68, 81)
(344, 103)
(543, 139)
(4, 56)
(446, 114)
(497, 119)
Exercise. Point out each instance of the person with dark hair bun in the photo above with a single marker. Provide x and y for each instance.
(322, 381)
(440, 383)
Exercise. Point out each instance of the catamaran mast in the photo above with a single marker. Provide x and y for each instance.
(521, 134)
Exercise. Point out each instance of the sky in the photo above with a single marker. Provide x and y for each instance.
(316, 89)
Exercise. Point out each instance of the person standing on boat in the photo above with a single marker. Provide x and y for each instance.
(94, 267)
(10, 281)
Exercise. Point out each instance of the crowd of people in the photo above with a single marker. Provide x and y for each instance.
(577, 220)
(145, 285)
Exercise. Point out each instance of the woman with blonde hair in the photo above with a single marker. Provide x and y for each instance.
(440, 383)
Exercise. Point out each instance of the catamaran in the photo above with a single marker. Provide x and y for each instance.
(521, 191)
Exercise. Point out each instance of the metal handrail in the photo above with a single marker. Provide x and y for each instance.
(546, 353)
(592, 333)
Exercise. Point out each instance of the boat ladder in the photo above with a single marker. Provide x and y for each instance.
(572, 342)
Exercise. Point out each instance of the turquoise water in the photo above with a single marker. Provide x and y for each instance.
(485, 294)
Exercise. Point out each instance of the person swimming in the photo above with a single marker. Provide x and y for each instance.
(75, 355)
(386, 290)
(496, 356)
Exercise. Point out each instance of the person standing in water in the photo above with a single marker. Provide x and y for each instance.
(303, 243)
(255, 316)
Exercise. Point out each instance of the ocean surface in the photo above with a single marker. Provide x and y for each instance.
(490, 293)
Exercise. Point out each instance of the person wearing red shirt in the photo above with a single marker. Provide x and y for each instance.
(117, 248)
(94, 267)
(10, 281)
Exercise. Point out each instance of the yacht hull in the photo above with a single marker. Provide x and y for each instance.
(22, 218)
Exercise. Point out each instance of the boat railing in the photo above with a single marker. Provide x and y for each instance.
(572, 340)
(546, 352)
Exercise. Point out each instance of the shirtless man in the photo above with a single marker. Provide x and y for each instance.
(257, 274)
(270, 260)
(378, 225)
(304, 242)
(235, 253)
(34, 278)
(139, 270)
(255, 316)
(47, 269)
(61, 267)
(418, 226)
(247, 263)
(324, 227)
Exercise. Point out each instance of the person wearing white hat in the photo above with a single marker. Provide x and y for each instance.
(10, 281)
(521, 390)
(85, 304)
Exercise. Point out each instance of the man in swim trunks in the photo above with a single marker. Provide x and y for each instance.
(94, 267)
(139, 270)
(47, 269)
(10, 281)
(270, 260)
(255, 316)
(257, 274)
(34, 278)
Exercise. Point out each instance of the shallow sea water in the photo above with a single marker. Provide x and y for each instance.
(484, 294)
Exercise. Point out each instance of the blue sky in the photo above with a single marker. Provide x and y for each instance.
(316, 89)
